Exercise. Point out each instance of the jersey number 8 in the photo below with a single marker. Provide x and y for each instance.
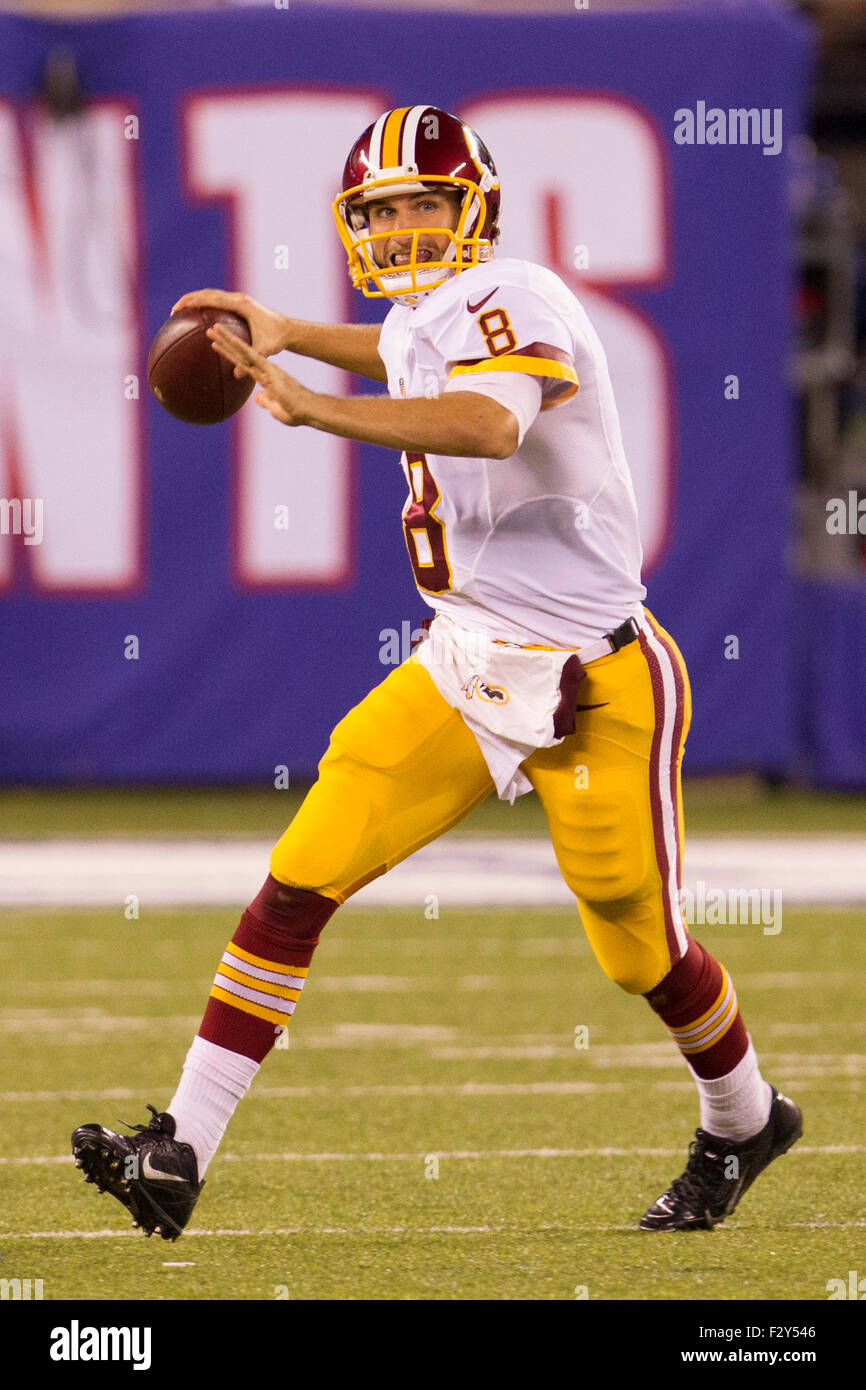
(424, 532)
(495, 324)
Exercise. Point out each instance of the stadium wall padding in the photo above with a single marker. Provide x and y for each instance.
(236, 669)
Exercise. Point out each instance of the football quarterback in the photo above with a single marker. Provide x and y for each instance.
(540, 668)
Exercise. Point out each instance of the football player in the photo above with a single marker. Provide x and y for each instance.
(540, 669)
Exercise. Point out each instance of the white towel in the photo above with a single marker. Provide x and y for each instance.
(509, 696)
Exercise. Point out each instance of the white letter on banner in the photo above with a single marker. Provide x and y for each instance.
(69, 340)
(554, 155)
(275, 159)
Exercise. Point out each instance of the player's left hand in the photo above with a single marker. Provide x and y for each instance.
(281, 394)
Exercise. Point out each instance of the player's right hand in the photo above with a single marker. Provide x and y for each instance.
(267, 327)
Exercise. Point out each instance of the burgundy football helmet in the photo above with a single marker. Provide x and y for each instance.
(415, 149)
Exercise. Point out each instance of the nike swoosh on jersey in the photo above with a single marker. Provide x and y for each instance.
(473, 308)
(148, 1171)
(601, 706)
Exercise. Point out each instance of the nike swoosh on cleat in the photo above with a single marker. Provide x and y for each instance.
(148, 1171)
(473, 308)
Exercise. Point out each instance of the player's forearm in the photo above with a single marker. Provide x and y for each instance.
(460, 423)
(351, 346)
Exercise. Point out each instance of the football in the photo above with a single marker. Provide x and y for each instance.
(189, 378)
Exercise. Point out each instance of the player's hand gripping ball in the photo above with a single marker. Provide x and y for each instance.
(189, 379)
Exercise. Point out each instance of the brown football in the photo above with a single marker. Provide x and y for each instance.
(189, 378)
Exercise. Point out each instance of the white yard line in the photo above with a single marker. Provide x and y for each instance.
(461, 871)
(472, 1089)
(364, 1231)
(813, 1150)
(115, 1095)
(367, 1231)
(651, 1056)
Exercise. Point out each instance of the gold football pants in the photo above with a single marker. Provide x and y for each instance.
(402, 767)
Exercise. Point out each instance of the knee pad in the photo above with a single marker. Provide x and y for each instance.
(603, 840)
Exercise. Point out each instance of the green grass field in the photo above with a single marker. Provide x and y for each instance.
(717, 806)
(416, 1039)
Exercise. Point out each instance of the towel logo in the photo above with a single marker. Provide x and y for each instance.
(493, 694)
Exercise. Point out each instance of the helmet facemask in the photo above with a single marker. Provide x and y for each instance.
(417, 277)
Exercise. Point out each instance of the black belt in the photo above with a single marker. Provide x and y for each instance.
(621, 636)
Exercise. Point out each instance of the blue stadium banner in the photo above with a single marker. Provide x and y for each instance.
(204, 603)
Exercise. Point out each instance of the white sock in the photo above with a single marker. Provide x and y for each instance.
(736, 1106)
(212, 1083)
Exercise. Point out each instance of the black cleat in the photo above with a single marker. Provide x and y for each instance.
(719, 1172)
(154, 1176)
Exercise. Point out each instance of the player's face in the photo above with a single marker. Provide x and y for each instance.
(401, 215)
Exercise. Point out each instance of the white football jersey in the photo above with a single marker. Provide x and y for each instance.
(542, 547)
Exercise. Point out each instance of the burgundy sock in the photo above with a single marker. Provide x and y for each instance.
(697, 1002)
(264, 967)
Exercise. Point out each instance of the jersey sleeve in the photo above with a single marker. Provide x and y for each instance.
(388, 346)
(519, 393)
(513, 329)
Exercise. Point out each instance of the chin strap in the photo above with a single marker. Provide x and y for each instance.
(414, 296)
